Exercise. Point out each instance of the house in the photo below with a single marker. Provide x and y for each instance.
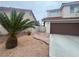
(64, 20)
(28, 15)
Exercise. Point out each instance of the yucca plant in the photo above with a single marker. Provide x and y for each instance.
(14, 24)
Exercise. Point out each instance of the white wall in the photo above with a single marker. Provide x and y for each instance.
(63, 46)
(47, 25)
(54, 14)
(66, 12)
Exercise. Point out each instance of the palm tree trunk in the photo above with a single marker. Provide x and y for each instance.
(11, 42)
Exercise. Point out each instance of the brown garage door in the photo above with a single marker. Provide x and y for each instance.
(64, 28)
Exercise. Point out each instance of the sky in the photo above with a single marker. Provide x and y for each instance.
(38, 7)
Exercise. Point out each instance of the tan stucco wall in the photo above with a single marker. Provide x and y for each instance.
(2, 30)
(28, 15)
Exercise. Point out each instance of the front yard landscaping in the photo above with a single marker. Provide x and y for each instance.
(27, 46)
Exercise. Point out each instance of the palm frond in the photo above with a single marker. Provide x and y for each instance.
(4, 21)
(15, 23)
(26, 25)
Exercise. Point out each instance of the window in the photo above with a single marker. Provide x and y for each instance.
(77, 10)
(72, 9)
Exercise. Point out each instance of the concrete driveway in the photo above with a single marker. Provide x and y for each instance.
(63, 46)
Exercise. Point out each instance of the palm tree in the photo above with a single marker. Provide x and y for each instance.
(14, 24)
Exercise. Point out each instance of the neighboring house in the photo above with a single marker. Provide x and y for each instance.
(64, 20)
(28, 15)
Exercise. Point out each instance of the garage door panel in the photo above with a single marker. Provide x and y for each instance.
(65, 28)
